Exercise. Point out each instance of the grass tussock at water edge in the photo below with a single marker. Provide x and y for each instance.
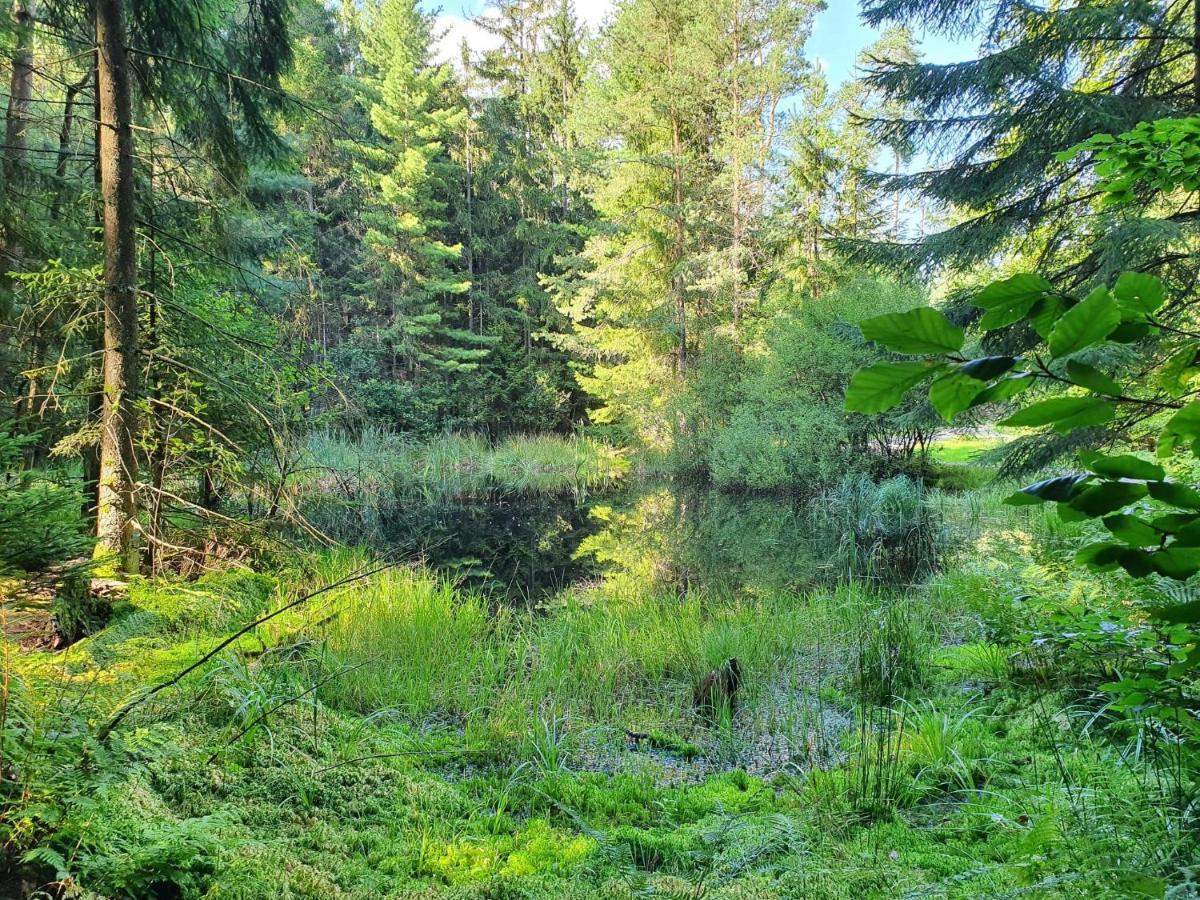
(459, 465)
(401, 737)
(351, 486)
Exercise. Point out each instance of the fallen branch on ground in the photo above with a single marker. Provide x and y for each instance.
(138, 699)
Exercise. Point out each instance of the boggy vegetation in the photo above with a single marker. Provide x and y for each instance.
(396, 736)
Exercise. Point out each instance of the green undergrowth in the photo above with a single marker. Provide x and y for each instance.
(395, 737)
(963, 448)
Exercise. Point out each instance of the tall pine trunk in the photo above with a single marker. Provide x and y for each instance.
(16, 140)
(20, 90)
(64, 146)
(1196, 53)
(116, 512)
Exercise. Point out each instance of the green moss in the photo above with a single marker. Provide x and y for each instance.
(534, 849)
(661, 740)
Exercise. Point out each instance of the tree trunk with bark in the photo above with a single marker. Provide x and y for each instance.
(64, 146)
(117, 510)
(20, 91)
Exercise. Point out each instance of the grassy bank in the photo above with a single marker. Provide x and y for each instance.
(395, 737)
(348, 486)
(456, 465)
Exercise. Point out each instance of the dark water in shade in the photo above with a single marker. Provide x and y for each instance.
(514, 549)
(522, 550)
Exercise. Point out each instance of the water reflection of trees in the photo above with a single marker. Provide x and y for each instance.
(673, 538)
(681, 538)
(516, 550)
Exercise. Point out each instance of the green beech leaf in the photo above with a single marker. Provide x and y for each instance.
(920, 330)
(1100, 557)
(1182, 428)
(1188, 535)
(1171, 375)
(1005, 389)
(877, 388)
(1138, 295)
(1123, 465)
(1008, 301)
(988, 367)
(1133, 531)
(1107, 556)
(1064, 413)
(1142, 885)
(1066, 514)
(1137, 563)
(1086, 323)
(1020, 498)
(1092, 379)
(1178, 613)
(1045, 313)
(1057, 489)
(1129, 332)
(1107, 496)
(953, 393)
(1180, 563)
(1173, 522)
(1175, 494)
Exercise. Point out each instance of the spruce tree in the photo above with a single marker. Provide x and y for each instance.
(994, 127)
(524, 210)
(681, 115)
(410, 281)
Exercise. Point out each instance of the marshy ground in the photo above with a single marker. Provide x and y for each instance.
(427, 732)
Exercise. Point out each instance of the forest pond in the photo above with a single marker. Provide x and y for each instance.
(682, 537)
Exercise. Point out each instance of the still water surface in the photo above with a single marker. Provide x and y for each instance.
(522, 550)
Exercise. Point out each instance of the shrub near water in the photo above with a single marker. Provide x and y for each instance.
(774, 419)
(771, 445)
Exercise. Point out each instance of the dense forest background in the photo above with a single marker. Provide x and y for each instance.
(644, 230)
(648, 420)
(334, 230)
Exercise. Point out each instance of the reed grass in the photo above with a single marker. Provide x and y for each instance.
(349, 485)
(458, 465)
(407, 641)
(888, 531)
(617, 656)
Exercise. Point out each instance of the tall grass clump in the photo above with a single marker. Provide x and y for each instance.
(892, 637)
(408, 641)
(631, 657)
(348, 484)
(552, 464)
(887, 531)
(599, 656)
